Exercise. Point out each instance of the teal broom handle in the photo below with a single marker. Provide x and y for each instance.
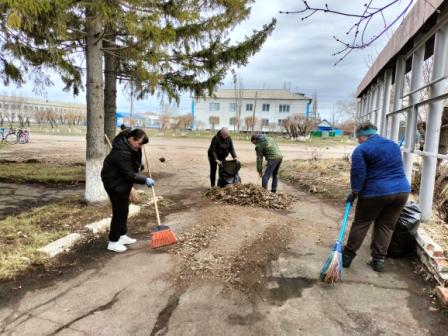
(344, 221)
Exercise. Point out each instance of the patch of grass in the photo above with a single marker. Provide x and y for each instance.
(328, 178)
(42, 173)
(21, 236)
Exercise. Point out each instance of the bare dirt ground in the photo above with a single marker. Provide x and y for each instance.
(236, 270)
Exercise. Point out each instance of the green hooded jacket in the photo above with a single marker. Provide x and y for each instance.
(267, 148)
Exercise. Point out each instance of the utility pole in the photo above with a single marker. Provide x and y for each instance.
(253, 113)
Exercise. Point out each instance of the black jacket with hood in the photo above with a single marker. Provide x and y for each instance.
(220, 148)
(121, 166)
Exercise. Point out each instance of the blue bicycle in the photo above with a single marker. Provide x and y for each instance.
(8, 136)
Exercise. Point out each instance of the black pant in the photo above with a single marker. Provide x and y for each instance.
(213, 168)
(272, 169)
(120, 211)
(384, 212)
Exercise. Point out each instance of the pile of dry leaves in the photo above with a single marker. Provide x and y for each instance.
(250, 195)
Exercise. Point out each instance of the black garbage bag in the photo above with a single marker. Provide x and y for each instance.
(228, 172)
(403, 239)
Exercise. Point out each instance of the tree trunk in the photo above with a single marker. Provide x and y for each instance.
(110, 90)
(94, 191)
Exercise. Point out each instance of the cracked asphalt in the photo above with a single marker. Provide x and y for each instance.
(134, 293)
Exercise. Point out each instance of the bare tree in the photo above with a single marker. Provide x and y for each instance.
(297, 125)
(238, 99)
(249, 123)
(164, 122)
(51, 117)
(213, 120)
(183, 121)
(235, 122)
(272, 127)
(356, 36)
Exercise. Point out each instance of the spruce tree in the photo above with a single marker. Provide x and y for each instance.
(166, 47)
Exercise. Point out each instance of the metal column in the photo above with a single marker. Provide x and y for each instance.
(369, 105)
(411, 120)
(400, 70)
(382, 115)
(377, 109)
(433, 124)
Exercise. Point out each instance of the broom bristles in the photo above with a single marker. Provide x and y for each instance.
(332, 270)
(162, 238)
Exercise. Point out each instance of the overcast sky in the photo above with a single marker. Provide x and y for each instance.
(298, 54)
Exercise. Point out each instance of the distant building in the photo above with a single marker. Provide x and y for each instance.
(325, 129)
(144, 119)
(271, 108)
(16, 105)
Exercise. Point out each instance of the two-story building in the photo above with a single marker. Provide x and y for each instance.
(229, 107)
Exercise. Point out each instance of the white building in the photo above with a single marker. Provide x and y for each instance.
(270, 108)
(10, 104)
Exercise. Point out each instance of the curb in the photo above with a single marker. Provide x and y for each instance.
(433, 256)
(66, 243)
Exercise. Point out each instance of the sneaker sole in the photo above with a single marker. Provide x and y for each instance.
(128, 243)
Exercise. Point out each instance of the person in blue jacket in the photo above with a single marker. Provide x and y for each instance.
(382, 189)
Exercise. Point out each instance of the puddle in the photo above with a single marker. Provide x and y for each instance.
(280, 290)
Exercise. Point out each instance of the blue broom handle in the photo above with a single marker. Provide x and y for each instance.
(344, 221)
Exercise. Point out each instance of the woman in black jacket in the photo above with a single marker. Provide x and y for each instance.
(120, 172)
(220, 147)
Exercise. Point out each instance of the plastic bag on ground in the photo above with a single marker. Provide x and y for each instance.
(403, 239)
(228, 173)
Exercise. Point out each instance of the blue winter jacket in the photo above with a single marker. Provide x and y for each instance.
(377, 168)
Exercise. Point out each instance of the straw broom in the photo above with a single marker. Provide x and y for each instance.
(134, 196)
(332, 270)
(162, 234)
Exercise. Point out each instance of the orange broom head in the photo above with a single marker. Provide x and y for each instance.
(163, 236)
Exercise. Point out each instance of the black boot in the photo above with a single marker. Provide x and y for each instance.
(377, 264)
(347, 258)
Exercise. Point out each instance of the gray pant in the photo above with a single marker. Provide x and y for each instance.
(271, 170)
(384, 212)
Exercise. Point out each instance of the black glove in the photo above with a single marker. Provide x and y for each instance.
(352, 197)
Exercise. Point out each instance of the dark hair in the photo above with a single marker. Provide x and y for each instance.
(123, 127)
(253, 138)
(137, 134)
(366, 125)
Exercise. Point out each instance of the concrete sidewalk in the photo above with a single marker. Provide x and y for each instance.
(131, 293)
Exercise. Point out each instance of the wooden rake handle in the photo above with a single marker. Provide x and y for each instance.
(152, 188)
(108, 141)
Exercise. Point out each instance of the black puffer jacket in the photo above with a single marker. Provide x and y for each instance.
(220, 148)
(121, 166)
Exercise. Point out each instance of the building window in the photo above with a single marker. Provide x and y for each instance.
(283, 108)
(280, 122)
(264, 122)
(249, 107)
(265, 108)
(232, 121)
(232, 107)
(213, 106)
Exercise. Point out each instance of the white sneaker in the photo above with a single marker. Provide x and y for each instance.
(116, 247)
(125, 240)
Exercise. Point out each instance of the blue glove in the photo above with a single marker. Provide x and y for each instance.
(149, 182)
(352, 197)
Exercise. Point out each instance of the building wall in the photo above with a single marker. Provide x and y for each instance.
(204, 108)
(26, 106)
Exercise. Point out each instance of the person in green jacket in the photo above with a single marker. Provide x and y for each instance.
(267, 148)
